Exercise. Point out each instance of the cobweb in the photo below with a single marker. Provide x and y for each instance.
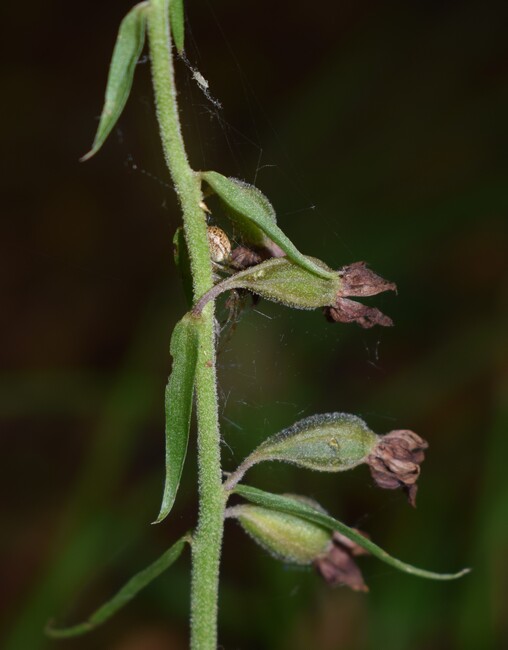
(272, 350)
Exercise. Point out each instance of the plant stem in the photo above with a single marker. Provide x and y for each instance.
(207, 540)
(235, 477)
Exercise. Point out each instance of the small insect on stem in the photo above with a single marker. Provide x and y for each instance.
(220, 246)
(225, 263)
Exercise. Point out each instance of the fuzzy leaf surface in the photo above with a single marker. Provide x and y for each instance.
(178, 407)
(128, 47)
(250, 208)
(241, 200)
(123, 596)
(297, 507)
(177, 22)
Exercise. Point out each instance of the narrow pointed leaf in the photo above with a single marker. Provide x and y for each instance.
(123, 596)
(128, 47)
(178, 407)
(177, 22)
(305, 511)
(252, 210)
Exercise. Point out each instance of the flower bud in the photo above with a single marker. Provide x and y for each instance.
(334, 442)
(298, 541)
(329, 442)
(281, 280)
(395, 461)
(285, 536)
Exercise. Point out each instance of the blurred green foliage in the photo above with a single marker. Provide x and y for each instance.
(378, 132)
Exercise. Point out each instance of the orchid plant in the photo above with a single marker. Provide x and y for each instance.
(266, 264)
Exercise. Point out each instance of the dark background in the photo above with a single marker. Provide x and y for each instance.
(378, 130)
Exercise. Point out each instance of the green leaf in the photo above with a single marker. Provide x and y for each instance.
(250, 207)
(122, 597)
(128, 47)
(240, 200)
(178, 407)
(300, 509)
(177, 22)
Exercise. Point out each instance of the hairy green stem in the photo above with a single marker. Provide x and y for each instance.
(207, 540)
(235, 477)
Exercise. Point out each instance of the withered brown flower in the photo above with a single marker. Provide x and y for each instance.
(395, 461)
(243, 257)
(337, 565)
(352, 280)
(358, 280)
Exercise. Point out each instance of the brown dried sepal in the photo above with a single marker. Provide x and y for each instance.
(338, 567)
(395, 462)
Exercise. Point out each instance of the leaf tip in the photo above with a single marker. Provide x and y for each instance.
(160, 518)
(66, 632)
(464, 572)
(89, 154)
(164, 512)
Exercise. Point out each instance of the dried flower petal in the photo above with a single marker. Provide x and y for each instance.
(243, 257)
(358, 280)
(350, 311)
(354, 548)
(338, 567)
(395, 462)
